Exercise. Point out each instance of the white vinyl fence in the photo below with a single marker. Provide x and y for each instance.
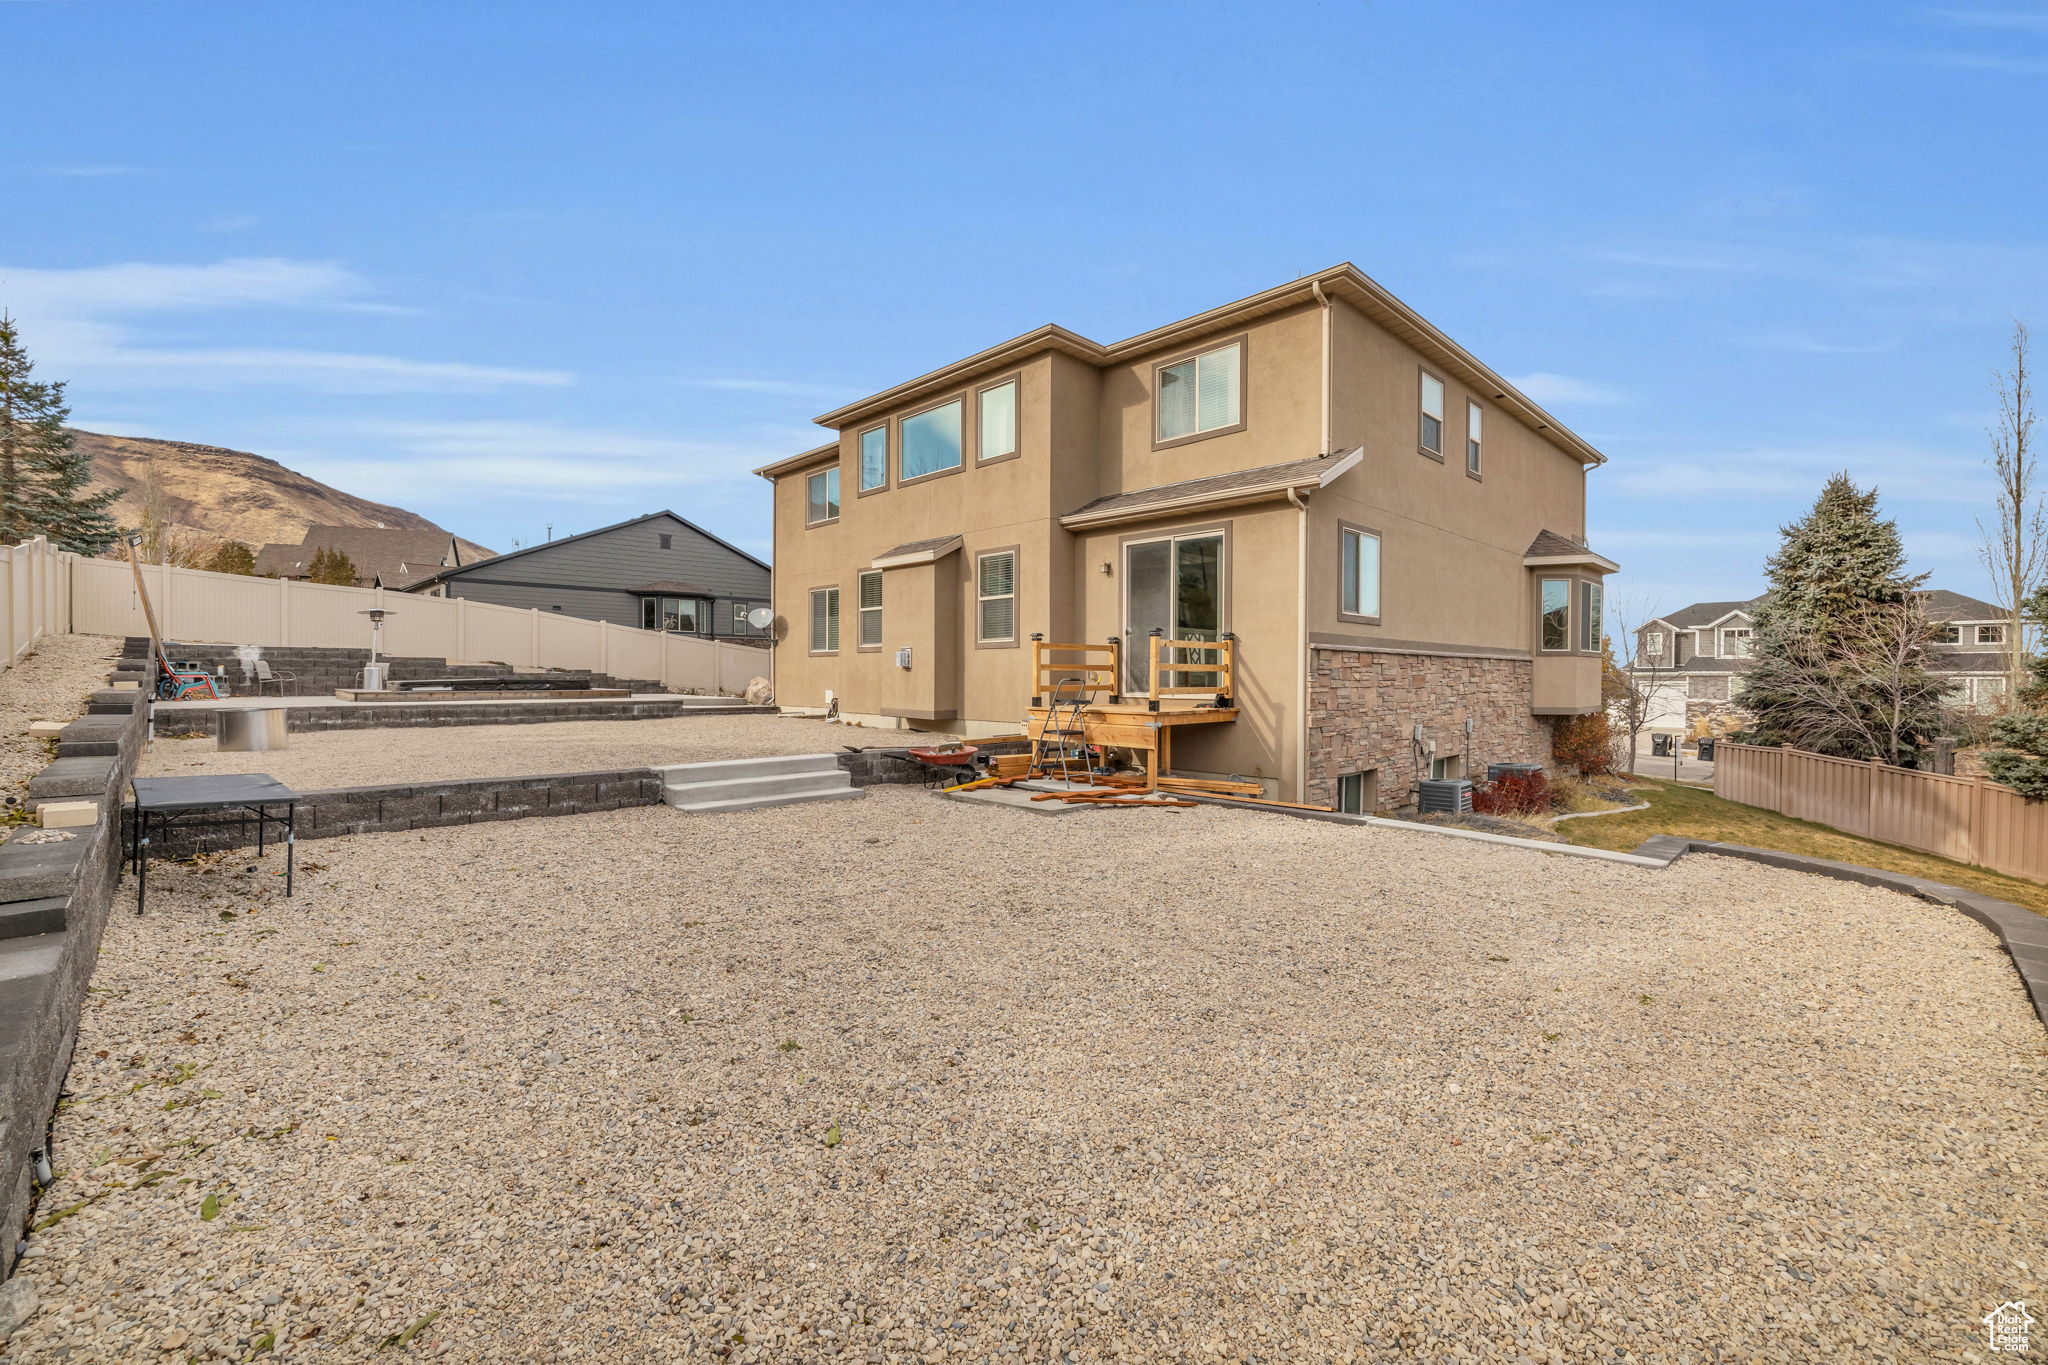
(35, 596)
(199, 607)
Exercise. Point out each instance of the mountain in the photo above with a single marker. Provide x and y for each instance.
(232, 494)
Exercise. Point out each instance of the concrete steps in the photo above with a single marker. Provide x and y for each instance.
(754, 783)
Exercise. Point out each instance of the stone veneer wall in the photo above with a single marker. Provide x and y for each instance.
(1364, 707)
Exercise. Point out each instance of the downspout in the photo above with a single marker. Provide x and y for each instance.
(1307, 655)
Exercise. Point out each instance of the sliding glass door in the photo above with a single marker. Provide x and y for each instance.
(1175, 585)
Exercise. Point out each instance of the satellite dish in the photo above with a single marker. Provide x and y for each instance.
(760, 618)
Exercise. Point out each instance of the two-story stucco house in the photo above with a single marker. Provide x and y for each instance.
(1692, 660)
(1392, 535)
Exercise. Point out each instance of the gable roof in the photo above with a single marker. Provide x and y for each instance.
(1942, 605)
(686, 524)
(395, 558)
(1243, 485)
(1344, 281)
(1701, 614)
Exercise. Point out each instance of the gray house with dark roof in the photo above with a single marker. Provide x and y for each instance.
(658, 572)
(1696, 657)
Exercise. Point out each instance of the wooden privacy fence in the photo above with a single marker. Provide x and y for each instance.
(235, 609)
(1968, 819)
(35, 596)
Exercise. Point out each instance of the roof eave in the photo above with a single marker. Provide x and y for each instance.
(931, 556)
(1585, 560)
(819, 455)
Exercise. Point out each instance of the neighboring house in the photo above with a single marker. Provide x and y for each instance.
(1695, 658)
(658, 572)
(382, 557)
(1391, 532)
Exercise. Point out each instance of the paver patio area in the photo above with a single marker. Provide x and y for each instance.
(362, 758)
(905, 1079)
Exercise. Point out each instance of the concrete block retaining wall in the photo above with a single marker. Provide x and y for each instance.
(182, 721)
(320, 671)
(54, 900)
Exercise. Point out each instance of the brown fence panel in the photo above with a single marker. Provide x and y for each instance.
(1968, 819)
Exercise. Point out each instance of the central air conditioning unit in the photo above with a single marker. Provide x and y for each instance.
(1445, 796)
(1494, 770)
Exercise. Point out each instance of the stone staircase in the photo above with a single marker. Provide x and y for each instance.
(752, 783)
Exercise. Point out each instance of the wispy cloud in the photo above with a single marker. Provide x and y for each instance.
(1985, 61)
(2030, 21)
(783, 387)
(1547, 388)
(565, 464)
(1795, 474)
(1805, 343)
(82, 326)
(91, 172)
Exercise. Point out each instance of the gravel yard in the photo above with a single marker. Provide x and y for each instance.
(50, 684)
(908, 1079)
(365, 758)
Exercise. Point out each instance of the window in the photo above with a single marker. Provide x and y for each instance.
(1432, 434)
(821, 497)
(1447, 768)
(1359, 588)
(1948, 635)
(1990, 693)
(1358, 793)
(1991, 635)
(998, 422)
(1557, 613)
(1735, 643)
(1200, 394)
(650, 613)
(1653, 644)
(824, 620)
(668, 541)
(931, 441)
(995, 591)
(1589, 616)
(874, 459)
(871, 609)
(739, 618)
(1472, 416)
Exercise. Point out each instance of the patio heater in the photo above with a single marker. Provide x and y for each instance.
(373, 672)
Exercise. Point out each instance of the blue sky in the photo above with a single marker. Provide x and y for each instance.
(513, 264)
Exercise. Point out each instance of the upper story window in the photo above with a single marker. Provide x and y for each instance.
(998, 405)
(995, 591)
(871, 609)
(1201, 394)
(1735, 643)
(1590, 614)
(1472, 453)
(874, 459)
(1653, 644)
(1991, 635)
(1358, 588)
(1431, 436)
(1948, 634)
(1557, 613)
(668, 540)
(931, 441)
(821, 496)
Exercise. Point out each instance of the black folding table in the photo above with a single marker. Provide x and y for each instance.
(164, 802)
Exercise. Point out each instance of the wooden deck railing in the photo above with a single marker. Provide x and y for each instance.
(1205, 667)
(1968, 819)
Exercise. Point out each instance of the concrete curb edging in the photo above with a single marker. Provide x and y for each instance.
(1411, 827)
(2022, 933)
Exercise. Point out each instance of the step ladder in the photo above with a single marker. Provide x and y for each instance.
(1063, 739)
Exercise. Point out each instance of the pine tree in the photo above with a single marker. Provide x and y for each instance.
(44, 481)
(1830, 638)
(230, 556)
(331, 566)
